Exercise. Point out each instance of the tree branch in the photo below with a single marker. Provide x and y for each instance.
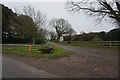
(118, 5)
(92, 10)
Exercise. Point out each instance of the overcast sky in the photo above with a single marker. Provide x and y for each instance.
(80, 22)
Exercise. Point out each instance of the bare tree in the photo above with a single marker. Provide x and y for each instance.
(52, 35)
(99, 8)
(61, 26)
(38, 17)
(70, 33)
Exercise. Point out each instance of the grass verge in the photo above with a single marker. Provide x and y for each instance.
(23, 51)
(96, 46)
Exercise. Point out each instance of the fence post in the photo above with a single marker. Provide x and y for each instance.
(110, 44)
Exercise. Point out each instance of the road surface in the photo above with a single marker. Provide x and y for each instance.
(15, 69)
(90, 51)
(83, 63)
(104, 60)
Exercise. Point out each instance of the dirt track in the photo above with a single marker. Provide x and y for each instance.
(83, 63)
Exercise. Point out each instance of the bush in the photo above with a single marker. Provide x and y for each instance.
(40, 40)
(56, 41)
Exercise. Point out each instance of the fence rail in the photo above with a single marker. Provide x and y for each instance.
(103, 43)
(110, 43)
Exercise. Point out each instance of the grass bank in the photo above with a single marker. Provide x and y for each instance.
(22, 50)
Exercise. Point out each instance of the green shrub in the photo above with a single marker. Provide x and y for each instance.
(40, 40)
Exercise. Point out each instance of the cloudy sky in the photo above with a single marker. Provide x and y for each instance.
(79, 21)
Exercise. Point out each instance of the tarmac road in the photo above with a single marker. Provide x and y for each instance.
(15, 69)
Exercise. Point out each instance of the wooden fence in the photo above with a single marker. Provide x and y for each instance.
(110, 43)
(103, 43)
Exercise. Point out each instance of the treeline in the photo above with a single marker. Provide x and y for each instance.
(28, 28)
(20, 28)
(112, 35)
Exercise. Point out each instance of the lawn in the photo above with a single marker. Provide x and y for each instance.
(22, 50)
